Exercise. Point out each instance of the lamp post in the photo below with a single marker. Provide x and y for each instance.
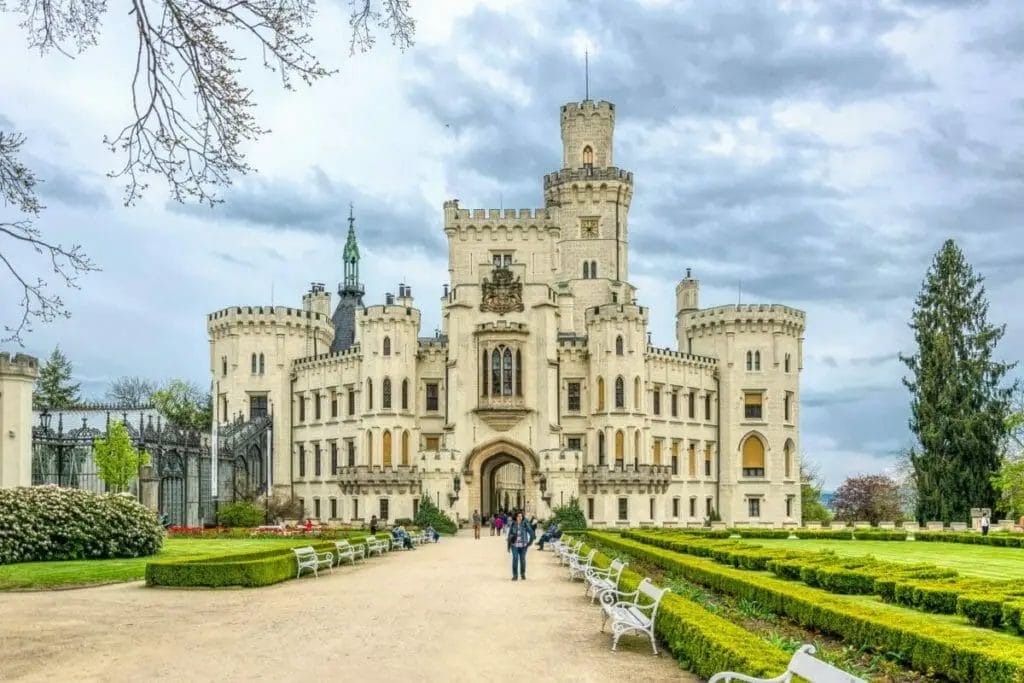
(56, 442)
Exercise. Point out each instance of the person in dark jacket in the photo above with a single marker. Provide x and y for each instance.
(520, 537)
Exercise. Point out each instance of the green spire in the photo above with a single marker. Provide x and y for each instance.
(351, 254)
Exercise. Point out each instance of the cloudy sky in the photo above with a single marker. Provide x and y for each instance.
(818, 152)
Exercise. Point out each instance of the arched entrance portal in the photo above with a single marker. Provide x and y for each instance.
(502, 474)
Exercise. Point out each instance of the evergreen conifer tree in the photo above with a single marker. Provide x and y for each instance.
(54, 388)
(959, 404)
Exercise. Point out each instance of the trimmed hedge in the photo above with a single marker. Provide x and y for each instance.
(927, 645)
(44, 523)
(1001, 539)
(703, 642)
(252, 569)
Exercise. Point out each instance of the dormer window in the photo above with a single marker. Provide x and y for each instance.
(588, 157)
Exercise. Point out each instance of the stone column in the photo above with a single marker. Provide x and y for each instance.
(17, 373)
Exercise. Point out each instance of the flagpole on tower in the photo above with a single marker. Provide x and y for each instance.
(586, 71)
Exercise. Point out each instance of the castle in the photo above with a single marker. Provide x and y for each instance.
(542, 384)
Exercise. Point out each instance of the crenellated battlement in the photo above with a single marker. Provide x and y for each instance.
(504, 326)
(654, 352)
(265, 315)
(586, 107)
(487, 224)
(588, 176)
(19, 365)
(615, 312)
(392, 312)
(746, 317)
(353, 353)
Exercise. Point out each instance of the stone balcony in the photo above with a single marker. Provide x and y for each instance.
(378, 479)
(627, 479)
(501, 413)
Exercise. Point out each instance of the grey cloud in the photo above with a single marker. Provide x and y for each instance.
(6, 122)
(70, 189)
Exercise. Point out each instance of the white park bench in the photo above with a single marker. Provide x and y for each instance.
(601, 580)
(307, 558)
(398, 542)
(375, 545)
(579, 565)
(803, 664)
(556, 546)
(569, 552)
(345, 550)
(632, 612)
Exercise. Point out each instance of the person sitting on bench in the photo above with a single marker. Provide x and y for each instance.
(553, 531)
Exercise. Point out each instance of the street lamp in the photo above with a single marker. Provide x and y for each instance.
(54, 441)
(44, 419)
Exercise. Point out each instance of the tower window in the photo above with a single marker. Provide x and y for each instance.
(757, 360)
(386, 393)
(657, 401)
(786, 363)
(753, 457)
(573, 402)
(689, 404)
(432, 396)
(750, 360)
(593, 269)
(351, 453)
(619, 346)
(369, 394)
(254, 363)
(224, 365)
(588, 156)
(262, 366)
(351, 402)
(387, 346)
(586, 270)
(405, 394)
(600, 449)
(752, 405)
(620, 393)
(675, 403)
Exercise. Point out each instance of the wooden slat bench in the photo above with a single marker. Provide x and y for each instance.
(803, 664)
(308, 558)
(632, 612)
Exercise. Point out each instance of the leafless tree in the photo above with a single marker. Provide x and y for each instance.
(190, 112)
(130, 391)
(18, 194)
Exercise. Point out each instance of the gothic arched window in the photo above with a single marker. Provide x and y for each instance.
(600, 448)
(369, 394)
(386, 393)
(262, 366)
(506, 372)
(620, 393)
(586, 270)
(619, 346)
(593, 269)
(254, 363)
(519, 373)
(483, 373)
(405, 447)
(496, 372)
(757, 360)
(787, 363)
(600, 393)
(386, 448)
(637, 395)
(750, 360)
(405, 394)
(387, 346)
(588, 156)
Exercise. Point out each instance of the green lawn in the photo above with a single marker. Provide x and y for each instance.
(44, 575)
(985, 561)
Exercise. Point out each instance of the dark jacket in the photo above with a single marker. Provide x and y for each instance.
(513, 532)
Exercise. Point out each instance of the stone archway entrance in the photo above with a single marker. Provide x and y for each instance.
(491, 472)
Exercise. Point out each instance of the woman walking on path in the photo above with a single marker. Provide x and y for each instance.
(520, 537)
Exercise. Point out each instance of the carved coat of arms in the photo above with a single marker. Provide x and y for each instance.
(503, 293)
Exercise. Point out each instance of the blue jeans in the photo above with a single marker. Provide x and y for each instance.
(518, 556)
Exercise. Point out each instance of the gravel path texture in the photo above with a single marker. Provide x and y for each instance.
(443, 612)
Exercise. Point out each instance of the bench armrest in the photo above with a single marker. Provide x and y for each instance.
(732, 676)
(614, 597)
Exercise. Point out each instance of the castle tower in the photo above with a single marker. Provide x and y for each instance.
(350, 292)
(687, 301)
(17, 374)
(592, 197)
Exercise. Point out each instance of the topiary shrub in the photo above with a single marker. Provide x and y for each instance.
(570, 516)
(41, 523)
(429, 514)
(241, 513)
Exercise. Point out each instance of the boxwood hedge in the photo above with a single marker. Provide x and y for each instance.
(926, 644)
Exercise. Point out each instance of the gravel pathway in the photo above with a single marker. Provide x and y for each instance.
(444, 612)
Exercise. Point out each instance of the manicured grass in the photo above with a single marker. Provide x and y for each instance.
(984, 561)
(49, 575)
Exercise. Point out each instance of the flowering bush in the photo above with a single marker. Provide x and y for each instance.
(50, 523)
(241, 513)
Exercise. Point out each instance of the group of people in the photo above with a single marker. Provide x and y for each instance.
(399, 533)
(519, 533)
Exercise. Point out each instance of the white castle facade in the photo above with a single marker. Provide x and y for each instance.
(542, 384)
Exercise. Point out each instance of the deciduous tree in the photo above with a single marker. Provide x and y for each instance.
(959, 403)
(54, 388)
(873, 498)
(183, 404)
(117, 460)
(811, 507)
(130, 391)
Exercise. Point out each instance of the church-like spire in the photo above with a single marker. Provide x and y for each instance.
(351, 254)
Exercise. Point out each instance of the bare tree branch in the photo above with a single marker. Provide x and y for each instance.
(394, 17)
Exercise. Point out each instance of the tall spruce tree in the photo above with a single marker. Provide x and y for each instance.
(54, 388)
(959, 404)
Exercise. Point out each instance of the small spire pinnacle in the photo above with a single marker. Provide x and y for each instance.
(351, 216)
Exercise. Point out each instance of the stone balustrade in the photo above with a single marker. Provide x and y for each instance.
(632, 478)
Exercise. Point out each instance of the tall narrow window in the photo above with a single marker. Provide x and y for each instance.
(302, 460)
(351, 401)
(753, 457)
(689, 404)
(506, 372)
(254, 363)
(707, 407)
(638, 395)
(787, 453)
(334, 508)
(302, 408)
(623, 509)
(369, 448)
(600, 393)
(496, 372)
(750, 360)
(385, 451)
(786, 363)
(691, 461)
(675, 457)
(432, 396)
(405, 447)
(573, 398)
(386, 394)
(262, 366)
(657, 451)
(754, 507)
(334, 404)
(675, 403)
(600, 449)
(316, 406)
(588, 156)
(405, 394)
(657, 401)
(620, 448)
(636, 447)
(369, 394)
(586, 270)
(593, 269)
(351, 453)
(316, 459)
(757, 360)
(483, 373)
(334, 457)
(387, 346)
(619, 350)
(224, 365)
(620, 393)
(519, 373)
(707, 461)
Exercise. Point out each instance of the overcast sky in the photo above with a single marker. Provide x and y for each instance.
(820, 153)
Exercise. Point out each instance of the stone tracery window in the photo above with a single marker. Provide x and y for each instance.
(588, 156)
(502, 371)
(620, 393)
(757, 360)
(387, 346)
(619, 350)
(386, 393)
(262, 365)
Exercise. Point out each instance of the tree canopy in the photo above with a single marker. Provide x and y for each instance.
(130, 391)
(183, 404)
(54, 388)
(117, 459)
(959, 403)
(868, 498)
